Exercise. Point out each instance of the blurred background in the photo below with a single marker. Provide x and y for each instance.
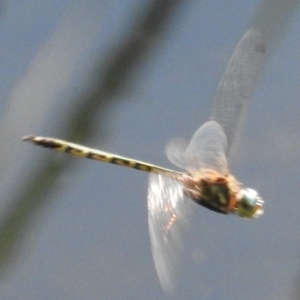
(126, 77)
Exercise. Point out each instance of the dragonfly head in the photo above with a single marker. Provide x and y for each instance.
(249, 204)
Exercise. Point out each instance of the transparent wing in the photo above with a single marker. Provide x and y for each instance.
(206, 150)
(237, 85)
(168, 211)
(176, 153)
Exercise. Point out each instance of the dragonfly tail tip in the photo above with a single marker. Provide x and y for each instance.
(28, 138)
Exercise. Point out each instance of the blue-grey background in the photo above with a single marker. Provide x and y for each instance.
(77, 229)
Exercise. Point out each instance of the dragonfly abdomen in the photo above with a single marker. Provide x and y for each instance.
(81, 151)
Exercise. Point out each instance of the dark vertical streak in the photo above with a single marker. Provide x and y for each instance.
(114, 76)
(108, 81)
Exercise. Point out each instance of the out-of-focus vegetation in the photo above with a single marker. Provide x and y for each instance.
(107, 81)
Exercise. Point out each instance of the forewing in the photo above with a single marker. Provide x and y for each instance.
(168, 211)
(237, 85)
(206, 150)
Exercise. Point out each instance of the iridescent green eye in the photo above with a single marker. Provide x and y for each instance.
(249, 204)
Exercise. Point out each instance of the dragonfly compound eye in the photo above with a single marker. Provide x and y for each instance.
(249, 205)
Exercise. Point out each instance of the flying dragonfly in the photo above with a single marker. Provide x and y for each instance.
(207, 180)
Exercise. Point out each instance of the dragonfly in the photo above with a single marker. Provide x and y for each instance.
(207, 179)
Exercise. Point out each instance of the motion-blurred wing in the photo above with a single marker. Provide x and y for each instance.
(176, 153)
(206, 150)
(167, 217)
(237, 85)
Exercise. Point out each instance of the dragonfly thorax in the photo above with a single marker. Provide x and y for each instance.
(212, 190)
(222, 193)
